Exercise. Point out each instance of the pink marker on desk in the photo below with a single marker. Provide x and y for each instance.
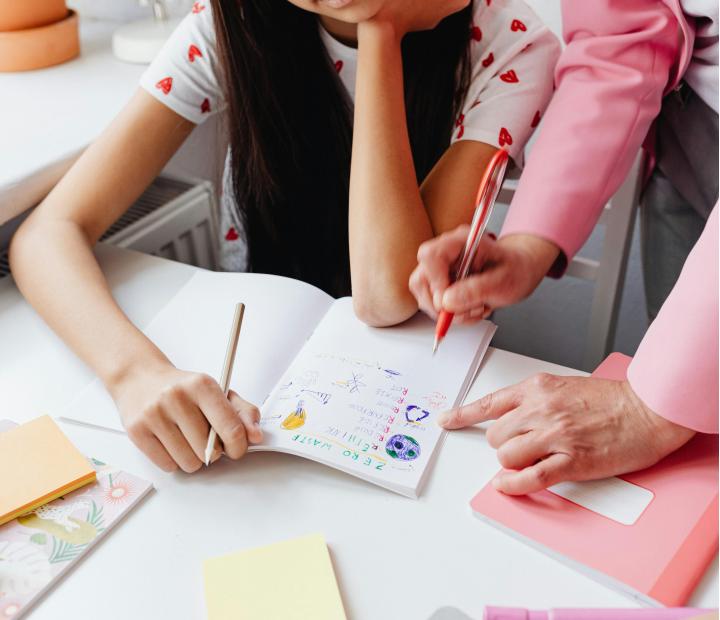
(671, 613)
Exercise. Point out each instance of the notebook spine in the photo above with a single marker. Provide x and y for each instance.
(677, 582)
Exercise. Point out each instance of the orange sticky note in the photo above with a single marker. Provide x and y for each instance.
(37, 465)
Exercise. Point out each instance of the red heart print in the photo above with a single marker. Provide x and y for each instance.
(535, 120)
(197, 7)
(489, 60)
(232, 234)
(165, 85)
(489, 2)
(193, 52)
(205, 106)
(339, 64)
(461, 132)
(476, 34)
(510, 77)
(504, 137)
(460, 120)
(517, 25)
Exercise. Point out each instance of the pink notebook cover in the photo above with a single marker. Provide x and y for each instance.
(660, 558)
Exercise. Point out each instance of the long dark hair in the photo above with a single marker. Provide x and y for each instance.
(290, 129)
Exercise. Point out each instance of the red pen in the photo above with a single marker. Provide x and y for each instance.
(488, 192)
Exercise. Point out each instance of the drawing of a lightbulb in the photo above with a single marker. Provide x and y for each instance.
(296, 419)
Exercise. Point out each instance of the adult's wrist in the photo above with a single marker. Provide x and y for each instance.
(537, 253)
(667, 435)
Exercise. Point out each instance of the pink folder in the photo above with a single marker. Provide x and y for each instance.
(662, 556)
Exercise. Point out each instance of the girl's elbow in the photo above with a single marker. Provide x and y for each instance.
(384, 310)
(20, 243)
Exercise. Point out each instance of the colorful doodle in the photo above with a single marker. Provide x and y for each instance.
(403, 448)
(415, 414)
(321, 397)
(296, 419)
(352, 385)
(435, 400)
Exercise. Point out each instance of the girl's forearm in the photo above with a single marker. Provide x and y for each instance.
(388, 220)
(54, 267)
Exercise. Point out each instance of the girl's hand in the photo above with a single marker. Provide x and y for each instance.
(413, 15)
(166, 412)
(503, 273)
(550, 429)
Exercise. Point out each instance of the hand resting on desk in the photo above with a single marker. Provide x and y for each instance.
(551, 429)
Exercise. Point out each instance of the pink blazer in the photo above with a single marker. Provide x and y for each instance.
(622, 56)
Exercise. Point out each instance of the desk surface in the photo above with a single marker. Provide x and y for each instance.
(394, 557)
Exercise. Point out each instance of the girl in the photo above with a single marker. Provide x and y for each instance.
(362, 125)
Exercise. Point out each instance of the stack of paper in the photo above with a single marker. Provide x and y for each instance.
(37, 465)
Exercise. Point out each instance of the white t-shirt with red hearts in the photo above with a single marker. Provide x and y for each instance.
(513, 58)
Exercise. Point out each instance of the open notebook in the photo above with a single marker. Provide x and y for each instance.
(331, 389)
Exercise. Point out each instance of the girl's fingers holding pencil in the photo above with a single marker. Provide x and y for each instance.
(168, 433)
(222, 416)
(250, 416)
(152, 448)
(194, 426)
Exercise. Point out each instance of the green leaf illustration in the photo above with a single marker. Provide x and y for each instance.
(95, 518)
(64, 552)
(38, 539)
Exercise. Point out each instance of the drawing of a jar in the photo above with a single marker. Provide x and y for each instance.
(296, 419)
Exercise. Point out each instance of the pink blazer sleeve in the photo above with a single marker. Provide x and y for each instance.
(675, 369)
(610, 82)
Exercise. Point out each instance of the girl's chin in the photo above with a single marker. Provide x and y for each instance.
(336, 4)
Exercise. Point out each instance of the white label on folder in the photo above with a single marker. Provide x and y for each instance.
(613, 498)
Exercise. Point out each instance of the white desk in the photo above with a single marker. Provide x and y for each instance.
(394, 557)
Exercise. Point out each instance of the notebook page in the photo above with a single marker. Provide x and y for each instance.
(194, 327)
(366, 400)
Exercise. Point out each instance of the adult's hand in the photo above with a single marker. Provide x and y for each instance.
(551, 429)
(503, 273)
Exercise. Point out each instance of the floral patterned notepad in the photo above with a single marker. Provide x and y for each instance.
(38, 548)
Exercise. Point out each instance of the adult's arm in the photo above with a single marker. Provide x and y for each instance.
(610, 82)
(675, 369)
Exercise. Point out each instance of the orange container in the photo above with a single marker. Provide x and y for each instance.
(24, 14)
(35, 48)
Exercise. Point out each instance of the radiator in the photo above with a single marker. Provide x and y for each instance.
(174, 218)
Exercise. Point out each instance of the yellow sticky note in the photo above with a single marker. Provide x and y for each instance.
(37, 465)
(285, 581)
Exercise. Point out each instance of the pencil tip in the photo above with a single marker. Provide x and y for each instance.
(435, 345)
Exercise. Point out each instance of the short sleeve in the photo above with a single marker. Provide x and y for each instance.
(185, 75)
(513, 59)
